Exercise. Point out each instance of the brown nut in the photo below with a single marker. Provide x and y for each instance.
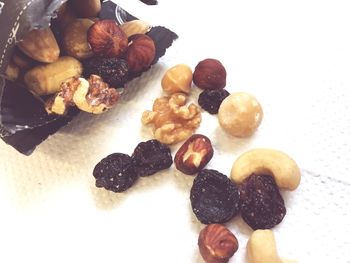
(107, 39)
(22, 60)
(65, 16)
(140, 53)
(217, 244)
(75, 39)
(135, 27)
(177, 79)
(86, 8)
(240, 114)
(12, 72)
(210, 74)
(40, 45)
(94, 95)
(194, 154)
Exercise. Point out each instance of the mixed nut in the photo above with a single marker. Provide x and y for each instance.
(79, 45)
(252, 191)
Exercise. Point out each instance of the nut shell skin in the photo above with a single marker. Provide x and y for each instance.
(240, 114)
(217, 244)
(267, 161)
(40, 45)
(210, 74)
(140, 53)
(107, 39)
(194, 154)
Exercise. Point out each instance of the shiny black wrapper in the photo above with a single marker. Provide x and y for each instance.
(24, 123)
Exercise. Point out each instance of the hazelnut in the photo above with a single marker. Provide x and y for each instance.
(194, 154)
(135, 27)
(210, 74)
(107, 39)
(177, 79)
(217, 244)
(240, 114)
(86, 8)
(140, 53)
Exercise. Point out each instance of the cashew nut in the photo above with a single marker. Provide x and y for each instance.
(267, 161)
(261, 248)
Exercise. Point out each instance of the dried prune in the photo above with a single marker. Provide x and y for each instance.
(150, 157)
(214, 197)
(262, 206)
(114, 71)
(115, 172)
(210, 100)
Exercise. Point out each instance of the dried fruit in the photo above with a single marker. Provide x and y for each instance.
(107, 39)
(75, 39)
(94, 95)
(150, 157)
(262, 205)
(194, 154)
(115, 172)
(217, 244)
(114, 71)
(210, 74)
(177, 79)
(140, 53)
(40, 45)
(47, 79)
(135, 27)
(173, 121)
(210, 100)
(214, 197)
(240, 114)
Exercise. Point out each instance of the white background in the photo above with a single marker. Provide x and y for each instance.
(293, 56)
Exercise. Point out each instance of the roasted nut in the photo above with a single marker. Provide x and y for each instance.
(47, 79)
(210, 74)
(140, 53)
(94, 96)
(240, 114)
(172, 120)
(177, 79)
(217, 244)
(86, 8)
(12, 72)
(60, 103)
(261, 248)
(135, 27)
(40, 45)
(267, 161)
(107, 39)
(194, 154)
(75, 39)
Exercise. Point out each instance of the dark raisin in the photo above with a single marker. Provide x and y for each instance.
(214, 197)
(114, 71)
(262, 206)
(115, 172)
(150, 157)
(210, 100)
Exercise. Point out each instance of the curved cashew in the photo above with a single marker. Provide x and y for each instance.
(267, 161)
(261, 248)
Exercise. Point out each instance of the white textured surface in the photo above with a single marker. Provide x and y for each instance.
(294, 56)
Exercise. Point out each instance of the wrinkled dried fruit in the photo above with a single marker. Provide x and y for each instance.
(262, 206)
(214, 197)
(217, 244)
(140, 53)
(210, 100)
(107, 39)
(150, 157)
(114, 71)
(115, 172)
(194, 154)
(209, 74)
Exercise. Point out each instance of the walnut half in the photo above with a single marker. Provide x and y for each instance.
(172, 120)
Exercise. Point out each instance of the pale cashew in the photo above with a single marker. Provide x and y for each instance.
(267, 161)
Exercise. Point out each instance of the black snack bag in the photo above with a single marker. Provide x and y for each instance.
(24, 123)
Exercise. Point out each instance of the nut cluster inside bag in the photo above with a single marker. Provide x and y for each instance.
(58, 58)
